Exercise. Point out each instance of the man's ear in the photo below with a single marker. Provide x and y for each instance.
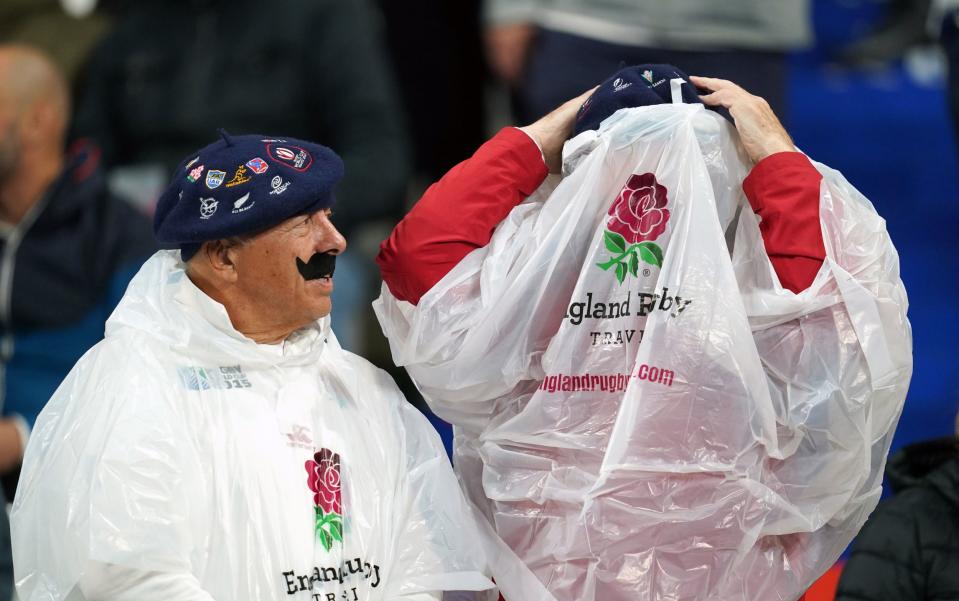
(221, 257)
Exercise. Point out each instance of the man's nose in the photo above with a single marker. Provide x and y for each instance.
(329, 238)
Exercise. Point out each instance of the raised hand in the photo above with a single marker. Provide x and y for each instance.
(759, 130)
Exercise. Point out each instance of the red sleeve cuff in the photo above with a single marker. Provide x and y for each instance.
(775, 172)
(528, 156)
(783, 189)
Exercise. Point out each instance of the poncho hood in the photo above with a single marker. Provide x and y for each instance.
(163, 304)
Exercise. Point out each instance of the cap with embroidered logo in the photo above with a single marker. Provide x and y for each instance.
(241, 185)
(639, 85)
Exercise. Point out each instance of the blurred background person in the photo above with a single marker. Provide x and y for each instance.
(901, 26)
(551, 50)
(66, 31)
(943, 23)
(68, 248)
(171, 72)
(909, 548)
(435, 45)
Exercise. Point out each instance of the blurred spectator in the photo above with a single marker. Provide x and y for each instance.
(944, 22)
(902, 26)
(909, 548)
(67, 247)
(67, 250)
(448, 128)
(173, 71)
(67, 36)
(551, 50)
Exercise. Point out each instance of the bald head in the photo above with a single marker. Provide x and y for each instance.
(34, 112)
(28, 80)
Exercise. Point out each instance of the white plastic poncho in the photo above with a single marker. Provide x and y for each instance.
(181, 461)
(661, 420)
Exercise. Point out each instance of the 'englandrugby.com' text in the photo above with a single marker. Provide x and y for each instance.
(606, 382)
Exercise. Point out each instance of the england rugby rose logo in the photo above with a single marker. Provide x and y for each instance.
(636, 218)
(323, 478)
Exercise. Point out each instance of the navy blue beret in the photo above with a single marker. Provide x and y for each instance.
(242, 185)
(639, 85)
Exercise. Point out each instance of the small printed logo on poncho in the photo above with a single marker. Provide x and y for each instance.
(637, 217)
(323, 478)
(225, 377)
(299, 437)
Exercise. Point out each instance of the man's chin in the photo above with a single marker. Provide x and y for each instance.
(321, 308)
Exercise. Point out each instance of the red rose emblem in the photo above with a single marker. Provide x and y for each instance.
(323, 473)
(639, 212)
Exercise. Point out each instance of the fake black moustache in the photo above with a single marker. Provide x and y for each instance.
(321, 265)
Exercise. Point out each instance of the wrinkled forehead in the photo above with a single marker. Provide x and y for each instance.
(300, 223)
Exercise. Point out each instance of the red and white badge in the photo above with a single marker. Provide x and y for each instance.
(293, 157)
(257, 165)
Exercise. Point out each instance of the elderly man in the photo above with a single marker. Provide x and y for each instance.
(657, 363)
(219, 444)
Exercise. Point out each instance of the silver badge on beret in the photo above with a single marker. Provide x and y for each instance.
(207, 207)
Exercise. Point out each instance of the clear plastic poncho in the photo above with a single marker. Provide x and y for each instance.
(654, 417)
(180, 460)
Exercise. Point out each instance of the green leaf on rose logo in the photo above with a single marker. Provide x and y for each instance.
(626, 259)
(620, 272)
(615, 243)
(336, 529)
(328, 527)
(651, 253)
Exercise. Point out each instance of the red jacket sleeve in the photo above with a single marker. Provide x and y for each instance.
(783, 189)
(459, 213)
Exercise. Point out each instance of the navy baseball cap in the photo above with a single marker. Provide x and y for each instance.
(639, 85)
(242, 185)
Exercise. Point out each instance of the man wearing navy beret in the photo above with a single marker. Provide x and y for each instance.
(219, 443)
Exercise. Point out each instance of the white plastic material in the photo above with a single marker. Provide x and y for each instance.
(695, 432)
(174, 463)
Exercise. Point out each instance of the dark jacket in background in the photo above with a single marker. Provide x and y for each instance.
(909, 548)
(62, 271)
(172, 72)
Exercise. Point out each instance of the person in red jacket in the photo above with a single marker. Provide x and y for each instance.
(459, 213)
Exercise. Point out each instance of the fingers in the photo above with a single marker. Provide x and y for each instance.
(713, 84)
(717, 99)
(727, 97)
(722, 91)
(569, 108)
(579, 100)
